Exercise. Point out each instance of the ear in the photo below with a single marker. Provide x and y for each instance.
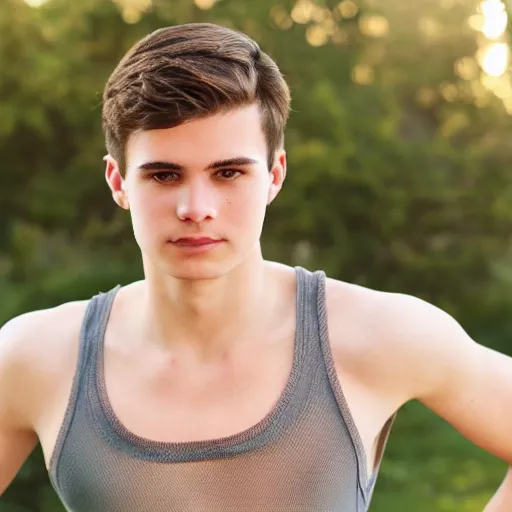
(277, 174)
(116, 182)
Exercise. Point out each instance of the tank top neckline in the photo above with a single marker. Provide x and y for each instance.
(115, 432)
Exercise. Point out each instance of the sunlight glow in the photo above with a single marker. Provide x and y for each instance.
(494, 58)
(362, 74)
(493, 54)
(316, 35)
(205, 4)
(302, 11)
(133, 10)
(449, 92)
(374, 25)
(503, 88)
(508, 105)
(35, 3)
(495, 18)
(476, 22)
(447, 4)
(280, 17)
(466, 68)
(347, 9)
(320, 14)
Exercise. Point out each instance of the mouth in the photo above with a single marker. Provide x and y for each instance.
(195, 242)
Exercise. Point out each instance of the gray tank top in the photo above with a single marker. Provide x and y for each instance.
(306, 455)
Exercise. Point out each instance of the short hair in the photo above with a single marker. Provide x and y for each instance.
(192, 71)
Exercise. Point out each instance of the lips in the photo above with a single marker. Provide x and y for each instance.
(195, 242)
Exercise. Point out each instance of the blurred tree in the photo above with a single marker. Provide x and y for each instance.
(398, 179)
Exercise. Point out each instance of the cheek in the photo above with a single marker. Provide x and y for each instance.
(147, 210)
(146, 203)
(247, 204)
(245, 212)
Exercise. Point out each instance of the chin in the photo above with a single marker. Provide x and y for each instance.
(199, 270)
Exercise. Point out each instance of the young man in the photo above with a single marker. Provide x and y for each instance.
(224, 382)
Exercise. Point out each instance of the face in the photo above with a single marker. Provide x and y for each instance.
(198, 193)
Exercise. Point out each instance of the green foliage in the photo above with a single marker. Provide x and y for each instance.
(393, 184)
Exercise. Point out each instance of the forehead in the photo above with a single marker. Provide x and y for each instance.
(198, 142)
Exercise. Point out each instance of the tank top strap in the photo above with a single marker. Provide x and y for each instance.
(310, 308)
(336, 386)
(366, 481)
(314, 322)
(91, 332)
(93, 329)
(96, 317)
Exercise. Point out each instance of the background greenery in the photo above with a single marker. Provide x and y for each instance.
(399, 146)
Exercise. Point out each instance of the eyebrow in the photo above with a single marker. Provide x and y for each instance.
(172, 166)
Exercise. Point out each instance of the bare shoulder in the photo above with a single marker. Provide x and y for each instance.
(394, 312)
(37, 333)
(37, 352)
(389, 341)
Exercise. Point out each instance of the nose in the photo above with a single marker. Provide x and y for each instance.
(196, 204)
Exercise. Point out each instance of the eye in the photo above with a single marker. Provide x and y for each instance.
(228, 174)
(165, 177)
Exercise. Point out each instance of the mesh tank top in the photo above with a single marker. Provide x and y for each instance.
(305, 455)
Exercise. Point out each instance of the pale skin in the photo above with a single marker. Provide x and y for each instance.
(198, 333)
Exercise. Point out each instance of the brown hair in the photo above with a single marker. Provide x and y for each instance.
(190, 71)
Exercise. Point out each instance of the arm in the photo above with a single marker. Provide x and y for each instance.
(17, 438)
(467, 384)
(502, 500)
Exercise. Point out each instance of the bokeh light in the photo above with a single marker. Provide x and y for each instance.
(316, 35)
(495, 18)
(133, 10)
(35, 3)
(302, 11)
(494, 58)
(281, 17)
(347, 9)
(363, 74)
(466, 68)
(205, 4)
(374, 25)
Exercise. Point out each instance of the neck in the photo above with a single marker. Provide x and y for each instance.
(208, 317)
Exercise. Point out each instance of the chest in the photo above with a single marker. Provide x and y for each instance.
(164, 400)
(169, 401)
(309, 468)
